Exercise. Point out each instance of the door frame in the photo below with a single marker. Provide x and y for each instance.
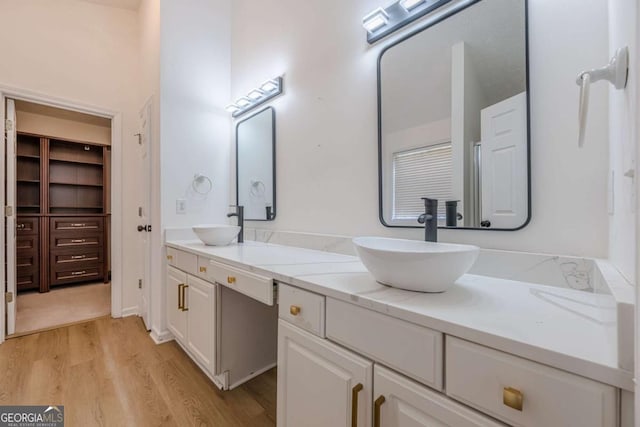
(117, 210)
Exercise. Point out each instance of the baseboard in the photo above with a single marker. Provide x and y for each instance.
(130, 311)
(161, 337)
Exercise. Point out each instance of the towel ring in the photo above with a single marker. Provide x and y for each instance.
(199, 179)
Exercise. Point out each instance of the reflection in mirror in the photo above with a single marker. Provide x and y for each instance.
(454, 122)
(255, 165)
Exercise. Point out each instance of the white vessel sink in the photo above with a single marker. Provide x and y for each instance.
(415, 265)
(216, 234)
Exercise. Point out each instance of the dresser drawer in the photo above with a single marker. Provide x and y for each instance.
(27, 243)
(413, 350)
(27, 261)
(75, 257)
(301, 308)
(65, 225)
(27, 226)
(252, 285)
(183, 260)
(27, 279)
(78, 273)
(495, 382)
(64, 241)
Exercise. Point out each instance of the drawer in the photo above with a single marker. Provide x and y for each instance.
(77, 274)
(252, 285)
(27, 279)
(413, 350)
(183, 260)
(27, 261)
(64, 225)
(27, 226)
(64, 241)
(488, 380)
(301, 308)
(75, 257)
(27, 243)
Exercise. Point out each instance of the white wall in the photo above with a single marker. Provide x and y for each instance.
(81, 52)
(623, 141)
(326, 121)
(195, 128)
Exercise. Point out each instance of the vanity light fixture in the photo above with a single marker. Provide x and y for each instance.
(267, 90)
(384, 21)
(375, 20)
(408, 5)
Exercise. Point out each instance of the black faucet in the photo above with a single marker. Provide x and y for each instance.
(430, 219)
(240, 214)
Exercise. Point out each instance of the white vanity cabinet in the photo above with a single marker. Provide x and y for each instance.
(191, 315)
(229, 331)
(319, 383)
(401, 402)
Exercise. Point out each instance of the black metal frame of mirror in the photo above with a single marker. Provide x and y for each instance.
(273, 160)
(528, 121)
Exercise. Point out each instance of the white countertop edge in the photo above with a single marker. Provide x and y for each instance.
(603, 373)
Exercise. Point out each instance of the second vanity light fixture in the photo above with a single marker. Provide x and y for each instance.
(258, 96)
(384, 21)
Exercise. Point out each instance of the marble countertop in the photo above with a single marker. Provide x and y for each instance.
(564, 328)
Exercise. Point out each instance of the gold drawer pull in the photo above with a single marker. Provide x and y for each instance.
(76, 225)
(354, 402)
(203, 269)
(170, 257)
(77, 240)
(231, 279)
(78, 256)
(183, 298)
(376, 410)
(295, 310)
(512, 398)
(78, 273)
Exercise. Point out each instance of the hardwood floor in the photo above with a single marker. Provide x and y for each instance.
(108, 372)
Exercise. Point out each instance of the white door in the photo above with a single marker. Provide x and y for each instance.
(176, 314)
(319, 383)
(401, 402)
(504, 163)
(144, 214)
(201, 319)
(10, 202)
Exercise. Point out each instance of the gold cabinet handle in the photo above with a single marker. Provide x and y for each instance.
(376, 410)
(76, 225)
(180, 303)
(231, 279)
(513, 398)
(203, 269)
(77, 240)
(294, 310)
(183, 298)
(78, 256)
(354, 403)
(170, 257)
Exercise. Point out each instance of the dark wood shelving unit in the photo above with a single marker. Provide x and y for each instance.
(63, 212)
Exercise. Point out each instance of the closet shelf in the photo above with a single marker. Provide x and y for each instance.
(75, 184)
(82, 162)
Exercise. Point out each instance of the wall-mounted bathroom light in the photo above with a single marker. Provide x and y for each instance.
(266, 91)
(384, 21)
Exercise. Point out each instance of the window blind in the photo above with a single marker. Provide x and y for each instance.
(421, 172)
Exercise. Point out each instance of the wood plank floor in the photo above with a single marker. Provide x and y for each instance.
(108, 372)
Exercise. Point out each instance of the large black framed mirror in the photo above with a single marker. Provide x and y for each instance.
(256, 165)
(453, 120)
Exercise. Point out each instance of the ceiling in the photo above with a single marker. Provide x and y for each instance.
(122, 4)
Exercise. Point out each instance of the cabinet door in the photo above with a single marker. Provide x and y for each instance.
(201, 306)
(319, 383)
(176, 316)
(401, 402)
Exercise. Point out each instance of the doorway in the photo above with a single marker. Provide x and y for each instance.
(112, 272)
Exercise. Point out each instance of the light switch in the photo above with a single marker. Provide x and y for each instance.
(181, 206)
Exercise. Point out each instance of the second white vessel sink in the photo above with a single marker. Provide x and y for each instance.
(415, 265)
(216, 234)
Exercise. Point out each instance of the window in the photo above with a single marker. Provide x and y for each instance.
(421, 172)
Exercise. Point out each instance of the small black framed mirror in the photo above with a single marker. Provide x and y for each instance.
(453, 120)
(256, 165)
